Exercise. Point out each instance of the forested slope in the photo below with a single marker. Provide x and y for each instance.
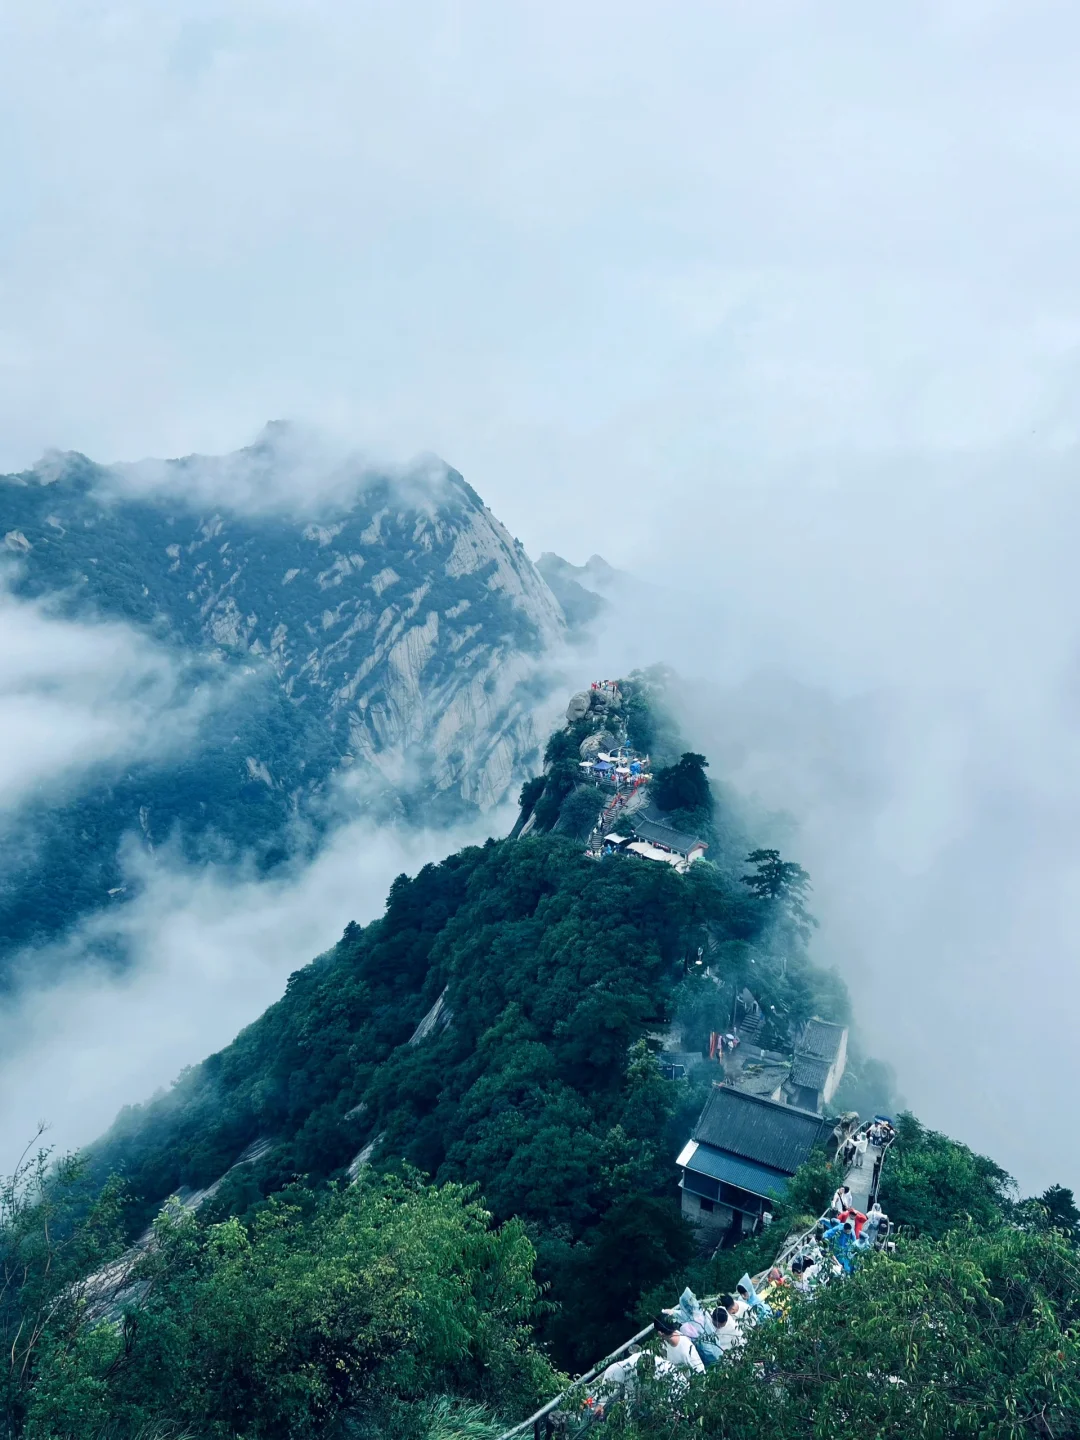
(456, 1173)
(539, 1087)
(542, 972)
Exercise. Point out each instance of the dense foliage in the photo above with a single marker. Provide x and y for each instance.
(366, 1300)
(493, 1034)
(931, 1183)
(552, 969)
(541, 972)
(969, 1326)
(684, 786)
(56, 1228)
(976, 1334)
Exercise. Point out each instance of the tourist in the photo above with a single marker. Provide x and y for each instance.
(874, 1217)
(696, 1326)
(756, 1307)
(861, 1143)
(841, 1199)
(806, 1270)
(840, 1238)
(677, 1350)
(619, 1381)
(728, 1331)
(856, 1217)
(882, 1226)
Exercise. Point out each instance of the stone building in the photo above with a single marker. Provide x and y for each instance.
(743, 1151)
(818, 1065)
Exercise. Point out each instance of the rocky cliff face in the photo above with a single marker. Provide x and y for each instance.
(389, 642)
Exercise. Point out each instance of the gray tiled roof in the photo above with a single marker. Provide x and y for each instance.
(746, 1174)
(808, 1070)
(821, 1038)
(760, 1130)
(656, 834)
(759, 1079)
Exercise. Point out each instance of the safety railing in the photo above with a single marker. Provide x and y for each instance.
(794, 1244)
(792, 1247)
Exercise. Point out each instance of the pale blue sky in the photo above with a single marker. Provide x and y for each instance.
(553, 242)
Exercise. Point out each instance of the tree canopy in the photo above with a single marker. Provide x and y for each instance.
(684, 786)
(976, 1334)
(373, 1297)
(441, 1165)
(782, 884)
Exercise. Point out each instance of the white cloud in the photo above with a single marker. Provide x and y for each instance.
(288, 469)
(562, 248)
(209, 948)
(76, 694)
(782, 300)
(889, 652)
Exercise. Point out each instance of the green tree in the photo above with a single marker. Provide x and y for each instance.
(56, 1229)
(1054, 1209)
(783, 885)
(684, 786)
(530, 793)
(383, 1292)
(640, 1244)
(932, 1184)
(973, 1337)
(580, 811)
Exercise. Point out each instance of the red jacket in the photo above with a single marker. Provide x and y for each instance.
(857, 1218)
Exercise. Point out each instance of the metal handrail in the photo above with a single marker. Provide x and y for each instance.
(790, 1248)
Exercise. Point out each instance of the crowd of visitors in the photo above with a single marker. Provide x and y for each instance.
(695, 1336)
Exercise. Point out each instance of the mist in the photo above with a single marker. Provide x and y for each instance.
(776, 309)
(291, 469)
(207, 950)
(882, 661)
(75, 695)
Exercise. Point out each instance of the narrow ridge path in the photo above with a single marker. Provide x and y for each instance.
(860, 1180)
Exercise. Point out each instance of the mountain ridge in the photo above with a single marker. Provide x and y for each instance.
(385, 648)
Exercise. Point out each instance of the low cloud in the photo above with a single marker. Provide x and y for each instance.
(208, 949)
(290, 468)
(75, 695)
(882, 656)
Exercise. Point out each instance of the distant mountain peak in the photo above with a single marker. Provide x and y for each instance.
(394, 630)
(583, 591)
(596, 572)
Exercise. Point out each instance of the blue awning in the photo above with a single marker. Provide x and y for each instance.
(731, 1170)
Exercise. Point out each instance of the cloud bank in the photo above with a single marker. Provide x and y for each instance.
(884, 660)
(563, 249)
(209, 949)
(75, 695)
(778, 304)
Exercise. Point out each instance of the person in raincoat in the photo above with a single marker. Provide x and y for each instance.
(697, 1326)
(675, 1347)
(857, 1218)
(620, 1380)
(756, 1306)
(840, 1238)
(729, 1333)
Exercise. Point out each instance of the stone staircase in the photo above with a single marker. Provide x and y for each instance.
(749, 1028)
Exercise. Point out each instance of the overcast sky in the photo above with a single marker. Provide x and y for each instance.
(780, 301)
